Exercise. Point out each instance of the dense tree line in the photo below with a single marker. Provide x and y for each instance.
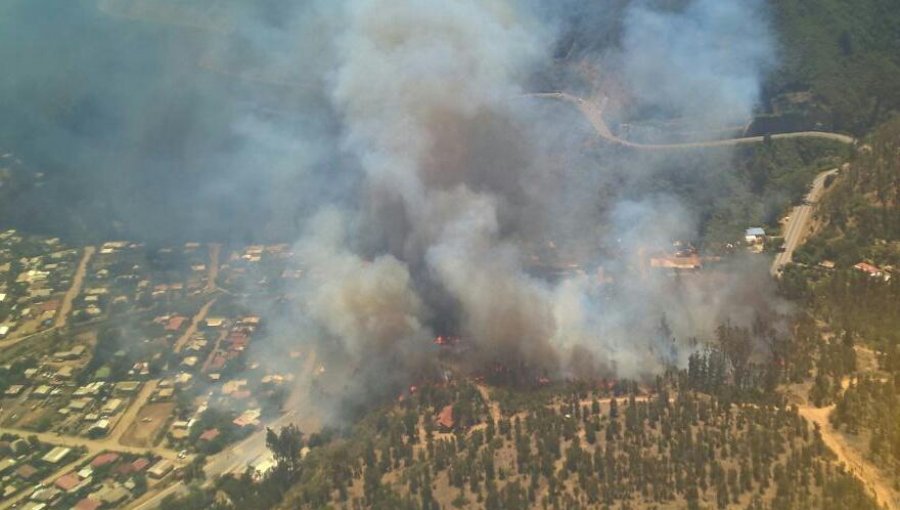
(589, 451)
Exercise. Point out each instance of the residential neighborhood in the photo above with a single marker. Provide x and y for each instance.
(35, 274)
(125, 363)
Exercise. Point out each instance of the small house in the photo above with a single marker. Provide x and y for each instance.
(160, 469)
(755, 235)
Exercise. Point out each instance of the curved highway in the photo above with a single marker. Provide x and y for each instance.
(594, 115)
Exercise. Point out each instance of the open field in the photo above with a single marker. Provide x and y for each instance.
(147, 425)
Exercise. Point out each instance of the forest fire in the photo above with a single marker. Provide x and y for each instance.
(446, 340)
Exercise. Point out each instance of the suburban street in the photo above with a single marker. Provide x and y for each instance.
(92, 445)
(16, 498)
(131, 413)
(797, 226)
(199, 317)
(75, 288)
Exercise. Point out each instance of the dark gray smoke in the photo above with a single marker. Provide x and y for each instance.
(467, 183)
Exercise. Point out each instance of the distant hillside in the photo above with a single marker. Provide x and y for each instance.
(846, 277)
(860, 216)
(845, 53)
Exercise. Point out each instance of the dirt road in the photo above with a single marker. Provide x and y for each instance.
(131, 413)
(214, 250)
(797, 227)
(65, 307)
(594, 114)
(92, 445)
(856, 464)
(75, 288)
(195, 322)
(9, 342)
(492, 405)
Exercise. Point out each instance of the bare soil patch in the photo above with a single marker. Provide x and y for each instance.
(145, 428)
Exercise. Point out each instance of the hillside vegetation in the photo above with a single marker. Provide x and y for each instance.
(846, 53)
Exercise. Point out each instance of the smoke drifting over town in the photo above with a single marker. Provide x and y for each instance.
(428, 193)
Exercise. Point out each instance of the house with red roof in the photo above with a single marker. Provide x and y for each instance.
(26, 472)
(175, 323)
(70, 482)
(872, 270)
(87, 504)
(140, 464)
(445, 418)
(104, 459)
(209, 435)
(128, 468)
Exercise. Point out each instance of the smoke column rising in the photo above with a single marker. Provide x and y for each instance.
(392, 140)
(453, 162)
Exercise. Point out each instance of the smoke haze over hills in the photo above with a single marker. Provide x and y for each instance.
(394, 142)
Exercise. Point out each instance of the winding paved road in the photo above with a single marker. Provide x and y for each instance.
(594, 114)
(796, 228)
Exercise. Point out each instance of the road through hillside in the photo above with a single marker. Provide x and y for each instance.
(594, 114)
(797, 226)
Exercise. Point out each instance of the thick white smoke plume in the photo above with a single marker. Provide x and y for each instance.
(470, 190)
(397, 144)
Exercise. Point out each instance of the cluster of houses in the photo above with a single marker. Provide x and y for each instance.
(230, 338)
(120, 277)
(233, 337)
(206, 360)
(106, 481)
(89, 410)
(246, 268)
(873, 271)
(25, 462)
(42, 269)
